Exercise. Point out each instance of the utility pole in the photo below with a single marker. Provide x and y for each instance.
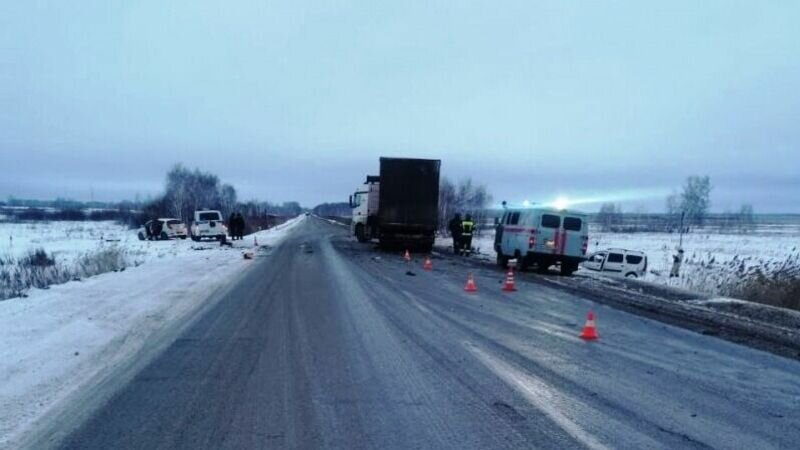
(680, 242)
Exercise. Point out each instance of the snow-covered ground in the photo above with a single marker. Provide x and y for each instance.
(67, 239)
(57, 341)
(712, 259)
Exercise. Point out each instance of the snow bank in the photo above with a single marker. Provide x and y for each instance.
(56, 341)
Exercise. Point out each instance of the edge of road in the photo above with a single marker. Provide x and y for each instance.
(72, 411)
(673, 307)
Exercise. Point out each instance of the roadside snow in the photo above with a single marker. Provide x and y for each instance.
(713, 261)
(57, 341)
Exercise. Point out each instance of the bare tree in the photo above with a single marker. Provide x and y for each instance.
(227, 199)
(746, 219)
(696, 198)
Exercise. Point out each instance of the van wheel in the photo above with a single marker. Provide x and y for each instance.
(142, 237)
(630, 275)
(360, 235)
(195, 238)
(502, 260)
(164, 236)
(568, 268)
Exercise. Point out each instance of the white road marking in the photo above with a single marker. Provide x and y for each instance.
(542, 396)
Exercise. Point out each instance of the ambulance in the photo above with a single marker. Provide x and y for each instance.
(542, 236)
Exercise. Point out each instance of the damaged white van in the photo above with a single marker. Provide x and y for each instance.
(618, 262)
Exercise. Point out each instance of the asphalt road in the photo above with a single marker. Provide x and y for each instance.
(327, 343)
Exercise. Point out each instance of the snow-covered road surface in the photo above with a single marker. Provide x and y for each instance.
(56, 342)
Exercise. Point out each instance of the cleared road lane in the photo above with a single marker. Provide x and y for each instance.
(329, 344)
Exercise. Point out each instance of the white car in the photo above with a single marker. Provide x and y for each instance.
(165, 228)
(208, 224)
(618, 262)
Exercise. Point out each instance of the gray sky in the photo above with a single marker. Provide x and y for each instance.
(610, 100)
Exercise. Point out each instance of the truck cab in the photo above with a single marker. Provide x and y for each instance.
(542, 236)
(364, 203)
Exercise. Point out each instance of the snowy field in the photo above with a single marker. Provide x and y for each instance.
(67, 241)
(714, 262)
(59, 341)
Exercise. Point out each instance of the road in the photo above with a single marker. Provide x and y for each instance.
(327, 343)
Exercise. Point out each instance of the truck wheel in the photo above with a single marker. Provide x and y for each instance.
(523, 263)
(360, 235)
(195, 238)
(142, 237)
(164, 236)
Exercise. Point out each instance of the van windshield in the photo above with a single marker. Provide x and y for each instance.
(551, 221)
(209, 216)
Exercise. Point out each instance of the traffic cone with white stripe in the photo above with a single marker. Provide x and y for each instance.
(407, 256)
(470, 287)
(428, 264)
(508, 286)
(589, 332)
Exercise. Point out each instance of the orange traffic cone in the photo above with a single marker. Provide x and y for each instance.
(589, 332)
(470, 287)
(407, 256)
(508, 286)
(428, 264)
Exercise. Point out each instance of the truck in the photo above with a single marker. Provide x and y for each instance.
(400, 206)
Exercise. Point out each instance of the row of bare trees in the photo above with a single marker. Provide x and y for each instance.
(464, 197)
(190, 190)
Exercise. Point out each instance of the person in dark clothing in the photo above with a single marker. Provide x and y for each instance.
(156, 229)
(232, 225)
(454, 226)
(240, 225)
(467, 226)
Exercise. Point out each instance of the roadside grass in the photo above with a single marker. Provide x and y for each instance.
(39, 269)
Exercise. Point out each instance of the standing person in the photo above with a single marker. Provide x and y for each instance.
(232, 225)
(677, 260)
(455, 231)
(240, 225)
(157, 228)
(467, 227)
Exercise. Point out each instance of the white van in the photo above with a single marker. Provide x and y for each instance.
(618, 262)
(208, 224)
(542, 236)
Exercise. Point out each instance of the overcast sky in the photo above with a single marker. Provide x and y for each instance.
(608, 100)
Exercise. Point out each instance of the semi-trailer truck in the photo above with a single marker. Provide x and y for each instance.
(400, 206)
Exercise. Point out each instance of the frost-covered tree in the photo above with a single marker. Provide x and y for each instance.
(696, 199)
